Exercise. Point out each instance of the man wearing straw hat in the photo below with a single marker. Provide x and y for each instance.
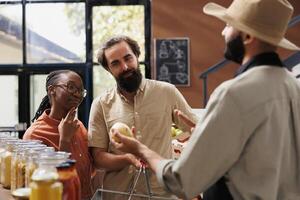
(247, 146)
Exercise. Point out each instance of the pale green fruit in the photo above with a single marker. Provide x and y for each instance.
(122, 128)
(178, 132)
(173, 131)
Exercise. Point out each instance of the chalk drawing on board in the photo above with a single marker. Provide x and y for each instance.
(172, 61)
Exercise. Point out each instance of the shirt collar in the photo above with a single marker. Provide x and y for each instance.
(142, 85)
(269, 58)
(45, 116)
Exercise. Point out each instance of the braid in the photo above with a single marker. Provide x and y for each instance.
(51, 79)
(45, 104)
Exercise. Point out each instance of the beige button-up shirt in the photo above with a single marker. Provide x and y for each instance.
(250, 134)
(151, 114)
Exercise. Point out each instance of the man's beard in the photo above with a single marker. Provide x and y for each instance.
(130, 80)
(235, 50)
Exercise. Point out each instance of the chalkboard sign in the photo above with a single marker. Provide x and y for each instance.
(172, 61)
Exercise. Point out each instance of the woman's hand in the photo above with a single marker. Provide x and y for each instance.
(68, 126)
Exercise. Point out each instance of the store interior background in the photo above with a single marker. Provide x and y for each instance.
(185, 19)
(172, 19)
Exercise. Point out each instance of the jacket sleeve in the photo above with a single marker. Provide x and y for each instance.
(213, 148)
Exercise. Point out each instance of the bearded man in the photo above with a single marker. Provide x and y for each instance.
(148, 105)
(247, 144)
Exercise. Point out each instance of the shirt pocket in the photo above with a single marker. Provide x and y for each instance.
(119, 117)
(157, 122)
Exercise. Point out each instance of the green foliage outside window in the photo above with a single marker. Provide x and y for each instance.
(107, 22)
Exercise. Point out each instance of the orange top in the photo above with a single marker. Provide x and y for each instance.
(46, 130)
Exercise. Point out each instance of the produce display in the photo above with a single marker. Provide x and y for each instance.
(175, 131)
(179, 141)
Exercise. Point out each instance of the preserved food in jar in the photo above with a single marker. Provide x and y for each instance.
(44, 183)
(69, 178)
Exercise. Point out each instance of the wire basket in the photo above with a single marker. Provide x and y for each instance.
(103, 194)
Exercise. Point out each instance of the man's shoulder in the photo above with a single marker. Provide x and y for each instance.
(258, 86)
(106, 96)
(161, 84)
(255, 77)
(262, 78)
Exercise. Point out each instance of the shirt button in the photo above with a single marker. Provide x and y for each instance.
(138, 135)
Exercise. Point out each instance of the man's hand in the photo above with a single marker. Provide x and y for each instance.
(68, 126)
(132, 145)
(126, 144)
(185, 119)
(133, 160)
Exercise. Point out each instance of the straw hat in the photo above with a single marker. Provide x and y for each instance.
(265, 19)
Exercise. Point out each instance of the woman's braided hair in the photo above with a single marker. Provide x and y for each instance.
(51, 79)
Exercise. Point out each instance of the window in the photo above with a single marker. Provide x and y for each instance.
(53, 37)
(37, 92)
(11, 34)
(37, 37)
(9, 100)
(115, 20)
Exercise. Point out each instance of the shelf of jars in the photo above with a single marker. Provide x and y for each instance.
(31, 170)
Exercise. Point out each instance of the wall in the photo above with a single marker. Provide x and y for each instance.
(184, 18)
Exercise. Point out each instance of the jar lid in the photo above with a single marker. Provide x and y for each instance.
(71, 161)
(21, 193)
(63, 165)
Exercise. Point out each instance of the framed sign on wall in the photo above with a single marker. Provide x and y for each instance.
(172, 61)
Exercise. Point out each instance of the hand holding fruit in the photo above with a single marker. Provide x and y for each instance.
(125, 143)
(121, 128)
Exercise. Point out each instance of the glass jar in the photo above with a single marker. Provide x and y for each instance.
(31, 161)
(3, 141)
(69, 178)
(18, 162)
(14, 166)
(2, 150)
(31, 165)
(45, 184)
(6, 164)
(21, 194)
(76, 179)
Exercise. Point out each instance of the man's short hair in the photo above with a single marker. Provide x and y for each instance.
(111, 42)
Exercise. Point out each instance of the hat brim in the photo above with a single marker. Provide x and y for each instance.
(214, 10)
(285, 43)
(220, 12)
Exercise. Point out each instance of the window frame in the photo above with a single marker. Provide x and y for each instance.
(85, 69)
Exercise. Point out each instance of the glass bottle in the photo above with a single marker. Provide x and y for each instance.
(21, 194)
(32, 156)
(45, 184)
(2, 150)
(69, 178)
(14, 166)
(6, 164)
(76, 179)
(18, 162)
